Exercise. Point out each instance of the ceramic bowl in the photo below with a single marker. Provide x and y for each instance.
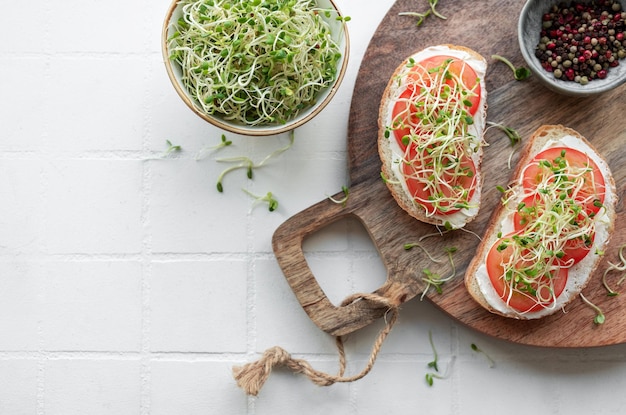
(529, 27)
(339, 33)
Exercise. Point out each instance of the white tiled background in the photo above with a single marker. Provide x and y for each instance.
(129, 285)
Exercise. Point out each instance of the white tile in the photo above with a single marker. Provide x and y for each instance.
(93, 206)
(280, 320)
(102, 102)
(92, 26)
(198, 306)
(194, 388)
(21, 209)
(18, 387)
(94, 387)
(92, 306)
(289, 393)
(188, 214)
(24, 111)
(400, 387)
(503, 382)
(33, 40)
(20, 305)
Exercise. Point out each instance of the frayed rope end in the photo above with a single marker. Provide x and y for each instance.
(252, 376)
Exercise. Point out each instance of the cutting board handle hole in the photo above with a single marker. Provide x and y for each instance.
(326, 252)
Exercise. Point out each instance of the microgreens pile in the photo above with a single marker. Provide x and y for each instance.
(440, 138)
(255, 62)
(555, 222)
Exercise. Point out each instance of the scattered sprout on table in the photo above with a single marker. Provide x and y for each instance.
(519, 73)
(205, 151)
(421, 16)
(621, 267)
(344, 199)
(599, 318)
(247, 163)
(475, 348)
(269, 198)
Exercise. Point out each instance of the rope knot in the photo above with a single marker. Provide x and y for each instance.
(252, 376)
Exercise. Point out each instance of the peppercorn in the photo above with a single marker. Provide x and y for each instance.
(580, 41)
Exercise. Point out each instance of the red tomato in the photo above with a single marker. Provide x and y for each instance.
(591, 193)
(403, 112)
(574, 250)
(457, 182)
(403, 117)
(461, 70)
(538, 294)
(524, 215)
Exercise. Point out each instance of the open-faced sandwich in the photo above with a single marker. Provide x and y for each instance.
(545, 240)
(431, 123)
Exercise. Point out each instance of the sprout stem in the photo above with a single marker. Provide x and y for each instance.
(475, 348)
(615, 267)
(343, 201)
(600, 318)
(519, 73)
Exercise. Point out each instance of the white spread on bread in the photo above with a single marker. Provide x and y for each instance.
(460, 218)
(579, 273)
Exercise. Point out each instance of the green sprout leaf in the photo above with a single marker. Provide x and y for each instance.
(435, 374)
(344, 200)
(272, 203)
(475, 348)
(519, 73)
(599, 318)
(204, 152)
(171, 148)
(244, 162)
(433, 363)
(511, 133)
(421, 16)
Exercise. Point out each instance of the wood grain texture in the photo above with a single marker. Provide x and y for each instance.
(489, 27)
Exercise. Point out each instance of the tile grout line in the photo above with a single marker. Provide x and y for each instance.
(41, 245)
(251, 321)
(146, 254)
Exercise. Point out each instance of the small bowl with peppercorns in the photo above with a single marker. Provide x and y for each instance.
(575, 48)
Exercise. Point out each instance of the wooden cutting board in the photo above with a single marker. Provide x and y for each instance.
(488, 27)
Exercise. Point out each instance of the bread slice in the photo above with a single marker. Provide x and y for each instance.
(391, 154)
(476, 277)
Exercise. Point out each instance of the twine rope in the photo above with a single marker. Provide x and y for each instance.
(252, 376)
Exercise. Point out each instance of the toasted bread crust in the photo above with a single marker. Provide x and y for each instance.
(404, 200)
(536, 142)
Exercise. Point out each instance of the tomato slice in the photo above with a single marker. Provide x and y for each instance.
(453, 187)
(558, 163)
(461, 71)
(574, 249)
(525, 213)
(538, 293)
(404, 118)
(403, 113)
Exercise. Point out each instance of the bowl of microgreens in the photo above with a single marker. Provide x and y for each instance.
(575, 48)
(255, 67)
